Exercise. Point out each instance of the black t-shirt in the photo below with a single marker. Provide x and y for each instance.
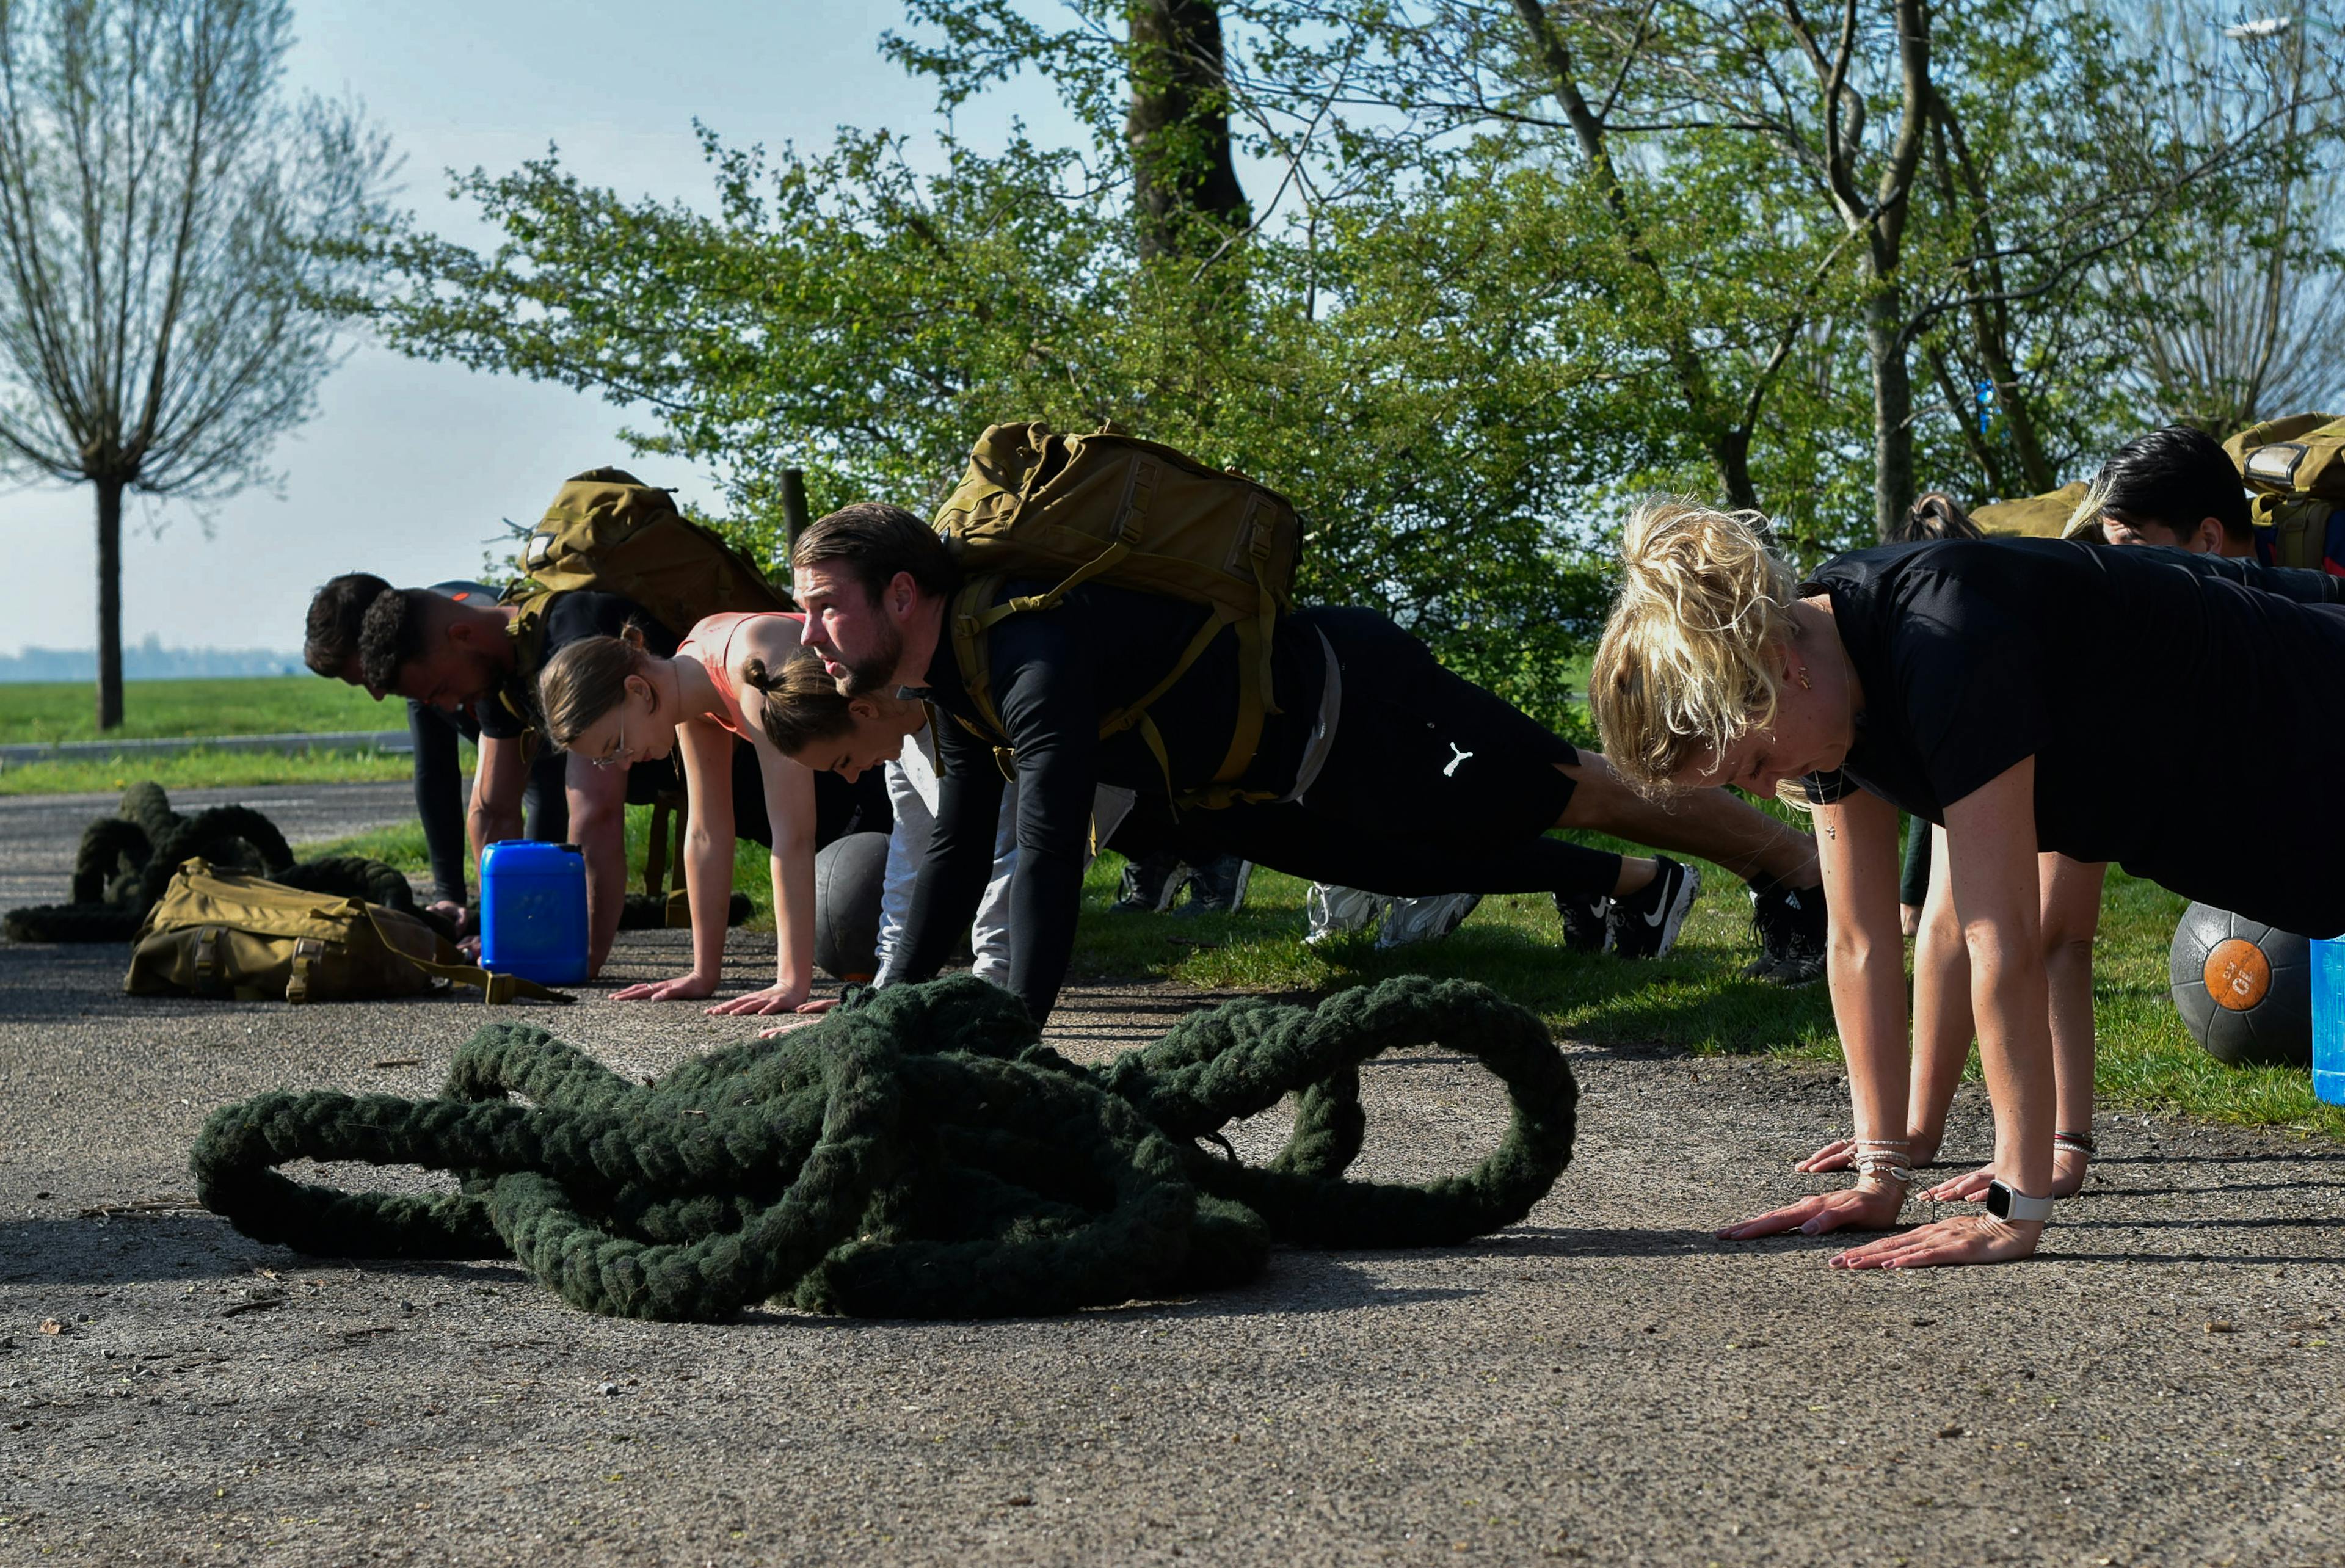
(1055, 675)
(2166, 698)
(511, 710)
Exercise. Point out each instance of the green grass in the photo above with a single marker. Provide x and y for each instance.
(166, 709)
(203, 768)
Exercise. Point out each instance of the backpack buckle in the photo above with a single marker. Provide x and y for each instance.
(306, 953)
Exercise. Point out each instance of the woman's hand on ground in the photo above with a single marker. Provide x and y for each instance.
(683, 988)
(1965, 1238)
(806, 1015)
(772, 999)
(1970, 1187)
(1837, 1155)
(1851, 1208)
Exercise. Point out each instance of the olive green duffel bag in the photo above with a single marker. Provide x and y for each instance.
(225, 934)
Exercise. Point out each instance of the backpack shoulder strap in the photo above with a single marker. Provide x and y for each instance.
(496, 990)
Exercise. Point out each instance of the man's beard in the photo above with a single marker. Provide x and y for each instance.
(875, 672)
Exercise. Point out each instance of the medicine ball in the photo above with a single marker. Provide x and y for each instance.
(2244, 990)
(848, 878)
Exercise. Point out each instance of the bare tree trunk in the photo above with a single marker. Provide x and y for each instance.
(1727, 443)
(1179, 126)
(1879, 219)
(1893, 407)
(1990, 317)
(109, 603)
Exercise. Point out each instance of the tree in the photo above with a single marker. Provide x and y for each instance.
(2251, 322)
(160, 207)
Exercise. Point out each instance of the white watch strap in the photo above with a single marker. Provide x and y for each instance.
(2019, 1206)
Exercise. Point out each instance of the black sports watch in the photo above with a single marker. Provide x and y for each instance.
(2010, 1203)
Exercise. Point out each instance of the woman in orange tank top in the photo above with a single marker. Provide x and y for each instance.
(610, 700)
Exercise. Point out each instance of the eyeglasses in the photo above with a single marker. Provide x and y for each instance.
(620, 756)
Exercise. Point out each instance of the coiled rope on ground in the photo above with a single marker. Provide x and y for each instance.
(917, 1153)
(127, 861)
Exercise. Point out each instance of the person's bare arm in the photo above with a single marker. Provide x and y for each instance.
(1992, 871)
(1865, 961)
(789, 816)
(708, 851)
(499, 777)
(598, 825)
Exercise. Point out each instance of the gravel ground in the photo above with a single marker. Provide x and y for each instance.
(1604, 1382)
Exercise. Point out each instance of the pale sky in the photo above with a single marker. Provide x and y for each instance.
(407, 466)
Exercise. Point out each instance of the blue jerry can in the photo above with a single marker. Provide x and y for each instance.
(533, 911)
(2329, 1020)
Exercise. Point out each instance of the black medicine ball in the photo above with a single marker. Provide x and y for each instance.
(848, 875)
(2244, 990)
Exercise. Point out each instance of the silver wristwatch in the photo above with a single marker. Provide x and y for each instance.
(2010, 1203)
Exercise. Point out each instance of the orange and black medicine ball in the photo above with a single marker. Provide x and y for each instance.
(2244, 990)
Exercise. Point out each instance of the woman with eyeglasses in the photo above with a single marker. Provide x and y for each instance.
(614, 701)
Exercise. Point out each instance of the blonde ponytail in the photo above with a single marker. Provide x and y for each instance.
(1691, 656)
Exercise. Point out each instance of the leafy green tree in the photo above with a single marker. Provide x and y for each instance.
(159, 200)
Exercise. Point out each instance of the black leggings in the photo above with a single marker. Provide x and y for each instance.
(1433, 786)
(439, 795)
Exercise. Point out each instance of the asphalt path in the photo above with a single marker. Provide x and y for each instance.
(1601, 1383)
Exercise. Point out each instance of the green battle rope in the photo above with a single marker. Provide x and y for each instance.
(919, 1153)
(126, 862)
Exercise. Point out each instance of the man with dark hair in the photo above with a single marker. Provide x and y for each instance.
(1380, 770)
(2174, 486)
(331, 648)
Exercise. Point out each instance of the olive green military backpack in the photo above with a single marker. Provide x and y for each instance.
(225, 934)
(1110, 508)
(2296, 467)
(2043, 516)
(609, 532)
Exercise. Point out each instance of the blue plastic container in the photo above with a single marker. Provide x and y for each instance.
(2329, 1020)
(533, 911)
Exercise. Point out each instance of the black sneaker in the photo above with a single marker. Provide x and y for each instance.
(1585, 928)
(1645, 924)
(1789, 924)
(1149, 885)
(1216, 887)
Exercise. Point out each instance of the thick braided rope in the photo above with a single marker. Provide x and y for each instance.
(127, 861)
(917, 1154)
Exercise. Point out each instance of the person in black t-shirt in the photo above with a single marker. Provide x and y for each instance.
(331, 648)
(2174, 486)
(1381, 771)
(1942, 679)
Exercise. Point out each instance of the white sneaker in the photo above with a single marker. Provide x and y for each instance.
(1330, 911)
(1425, 919)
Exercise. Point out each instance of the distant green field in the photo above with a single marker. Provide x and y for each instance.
(161, 710)
(205, 768)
